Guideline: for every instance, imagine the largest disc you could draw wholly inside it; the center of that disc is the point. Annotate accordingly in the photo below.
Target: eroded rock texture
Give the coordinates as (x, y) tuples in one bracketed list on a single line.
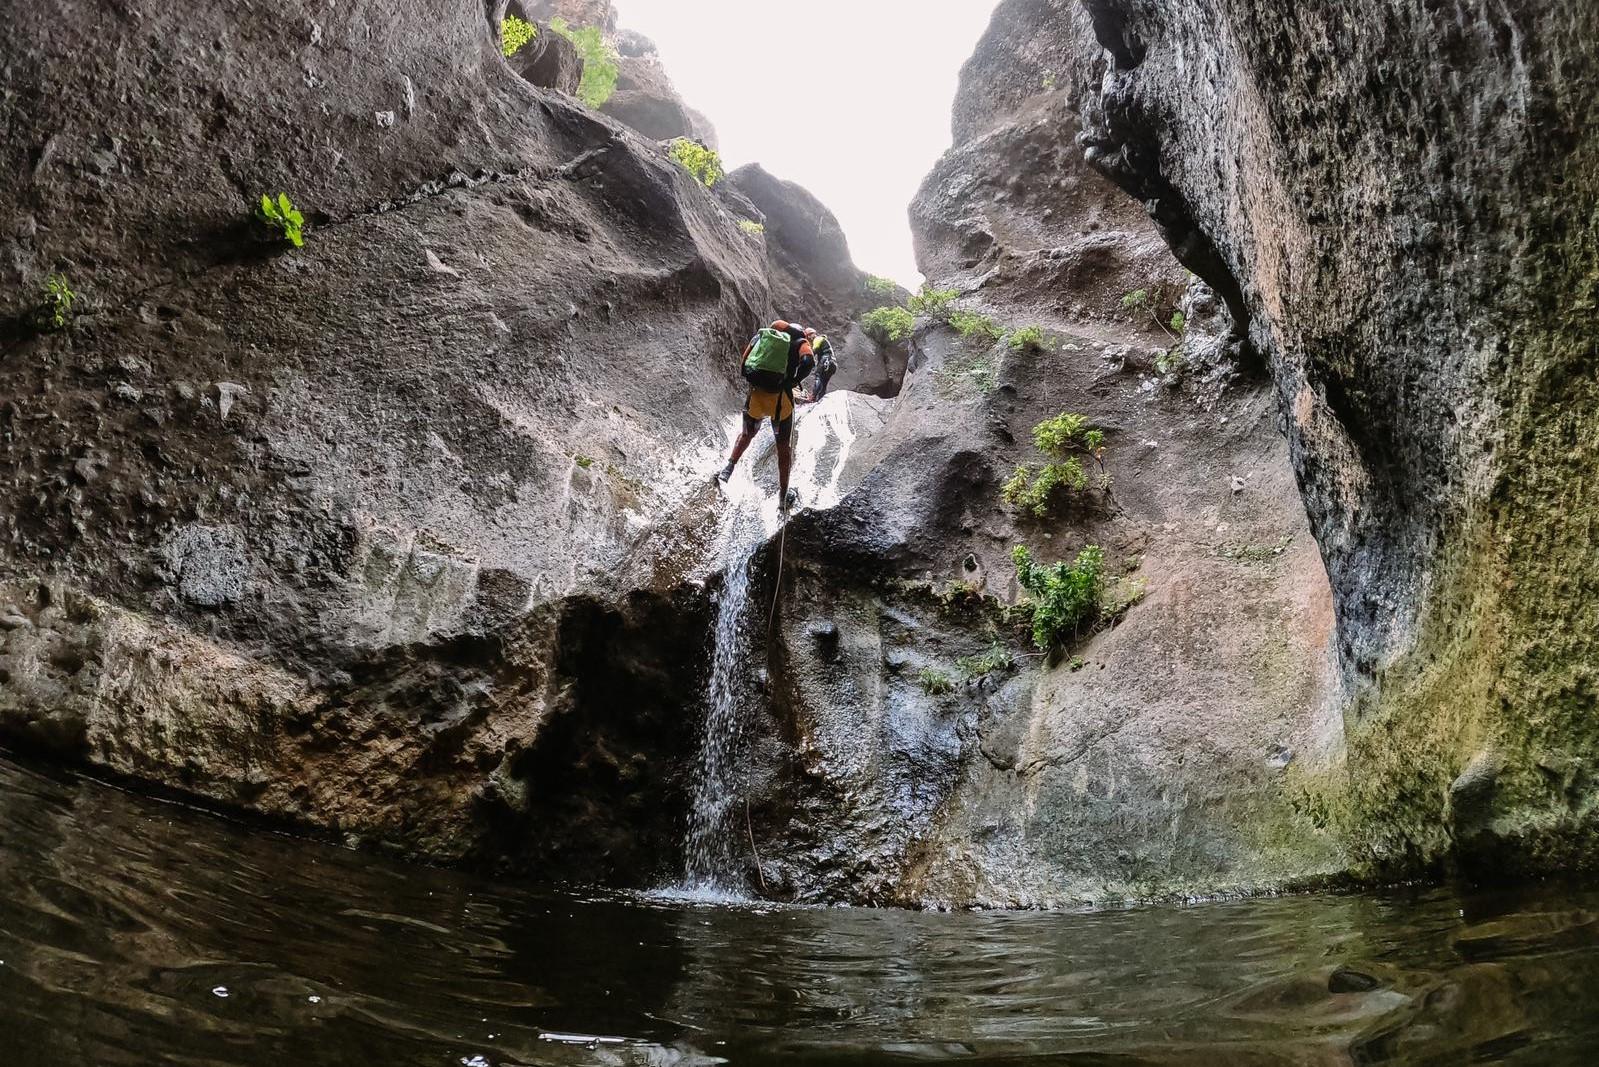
[(917, 750), (1402, 199), (350, 535)]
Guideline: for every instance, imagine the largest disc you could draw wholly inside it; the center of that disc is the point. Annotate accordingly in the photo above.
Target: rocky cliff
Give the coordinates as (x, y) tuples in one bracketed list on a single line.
[(1401, 198), (407, 535), (350, 535)]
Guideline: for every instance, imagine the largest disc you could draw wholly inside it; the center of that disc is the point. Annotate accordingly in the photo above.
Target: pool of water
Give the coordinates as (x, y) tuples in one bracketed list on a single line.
[(135, 932)]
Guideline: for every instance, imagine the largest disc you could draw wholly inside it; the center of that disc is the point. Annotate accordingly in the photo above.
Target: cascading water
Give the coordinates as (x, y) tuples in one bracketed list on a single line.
[(710, 866), (715, 845)]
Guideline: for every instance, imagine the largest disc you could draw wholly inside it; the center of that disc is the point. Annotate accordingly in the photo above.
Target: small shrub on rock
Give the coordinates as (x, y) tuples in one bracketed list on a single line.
[(975, 327), (888, 325), (601, 64), (881, 286), (515, 33), (997, 658), (55, 306), (751, 227), (935, 681), (1028, 338), (1062, 597), (702, 162), (933, 303), (1067, 440), (280, 218)]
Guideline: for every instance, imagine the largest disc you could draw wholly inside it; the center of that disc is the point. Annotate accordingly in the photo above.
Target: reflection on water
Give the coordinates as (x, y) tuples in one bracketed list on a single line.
[(138, 933)]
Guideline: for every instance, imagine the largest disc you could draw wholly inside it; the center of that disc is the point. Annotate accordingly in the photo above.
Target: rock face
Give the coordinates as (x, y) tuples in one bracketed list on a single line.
[(811, 268), (646, 99), (916, 751), (350, 535), (550, 61), (1013, 210), (1411, 244)]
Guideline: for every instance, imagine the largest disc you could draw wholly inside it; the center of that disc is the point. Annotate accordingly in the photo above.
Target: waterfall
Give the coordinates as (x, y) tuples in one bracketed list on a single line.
[(716, 846), (710, 848)]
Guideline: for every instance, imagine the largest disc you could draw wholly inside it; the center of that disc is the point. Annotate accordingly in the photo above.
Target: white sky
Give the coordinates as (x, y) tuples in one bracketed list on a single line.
[(860, 116)]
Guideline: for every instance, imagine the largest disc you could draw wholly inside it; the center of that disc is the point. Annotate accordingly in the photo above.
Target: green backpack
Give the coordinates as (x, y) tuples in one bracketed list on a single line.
[(766, 367)]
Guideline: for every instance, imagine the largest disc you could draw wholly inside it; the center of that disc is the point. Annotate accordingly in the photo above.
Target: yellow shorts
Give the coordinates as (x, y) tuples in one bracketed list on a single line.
[(778, 407), (764, 405)]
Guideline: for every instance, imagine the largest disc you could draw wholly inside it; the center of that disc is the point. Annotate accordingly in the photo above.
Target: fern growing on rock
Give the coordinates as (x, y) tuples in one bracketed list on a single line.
[(515, 34), (601, 63), (704, 163)]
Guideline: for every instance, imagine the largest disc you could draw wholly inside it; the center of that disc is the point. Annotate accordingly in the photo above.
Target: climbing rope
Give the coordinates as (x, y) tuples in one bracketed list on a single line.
[(777, 591)]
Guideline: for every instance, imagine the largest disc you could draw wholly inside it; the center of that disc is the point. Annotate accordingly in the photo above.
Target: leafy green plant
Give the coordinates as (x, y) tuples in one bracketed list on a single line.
[(997, 658), (601, 64), (888, 325), (702, 162), (750, 226), (583, 461), (1173, 361), (933, 303), (976, 327), (1028, 338), (55, 305), (1067, 440), (1062, 597), (281, 217), (881, 286), (935, 681), (1049, 81), (1159, 304), (515, 33)]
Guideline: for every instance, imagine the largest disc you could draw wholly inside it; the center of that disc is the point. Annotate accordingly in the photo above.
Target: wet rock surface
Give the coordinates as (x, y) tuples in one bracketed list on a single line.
[(348, 535), (1406, 241), (408, 536)]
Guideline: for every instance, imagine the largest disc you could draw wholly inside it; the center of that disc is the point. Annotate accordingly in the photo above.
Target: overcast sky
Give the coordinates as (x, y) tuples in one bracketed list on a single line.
[(859, 109)]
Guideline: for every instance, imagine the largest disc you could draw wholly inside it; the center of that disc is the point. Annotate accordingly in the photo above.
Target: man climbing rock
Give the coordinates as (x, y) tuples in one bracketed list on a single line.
[(826, 367), (776, 360)]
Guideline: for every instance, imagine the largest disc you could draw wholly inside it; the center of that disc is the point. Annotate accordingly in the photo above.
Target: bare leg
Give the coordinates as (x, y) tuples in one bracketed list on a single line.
[(741, 445), (785, 459)]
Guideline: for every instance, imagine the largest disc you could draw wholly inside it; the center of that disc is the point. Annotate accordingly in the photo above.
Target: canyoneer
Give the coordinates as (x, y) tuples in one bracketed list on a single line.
[(776, 360), (826, 366)]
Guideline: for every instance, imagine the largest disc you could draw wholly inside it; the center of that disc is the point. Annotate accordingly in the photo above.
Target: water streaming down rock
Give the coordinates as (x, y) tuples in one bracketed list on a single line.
[(715, 844), (710, 855)]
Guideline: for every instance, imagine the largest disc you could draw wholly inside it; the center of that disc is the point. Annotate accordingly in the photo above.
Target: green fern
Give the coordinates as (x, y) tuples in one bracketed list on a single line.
[(601, 64), (514, 34), (702, 162), (280, 215), (55, 309)]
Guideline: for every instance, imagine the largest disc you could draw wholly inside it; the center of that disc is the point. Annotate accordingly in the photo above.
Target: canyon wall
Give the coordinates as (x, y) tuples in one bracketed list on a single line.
[(1400, 201)]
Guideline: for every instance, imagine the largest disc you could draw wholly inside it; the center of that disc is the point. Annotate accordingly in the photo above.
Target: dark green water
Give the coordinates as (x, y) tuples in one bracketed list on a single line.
[(139, 933)]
